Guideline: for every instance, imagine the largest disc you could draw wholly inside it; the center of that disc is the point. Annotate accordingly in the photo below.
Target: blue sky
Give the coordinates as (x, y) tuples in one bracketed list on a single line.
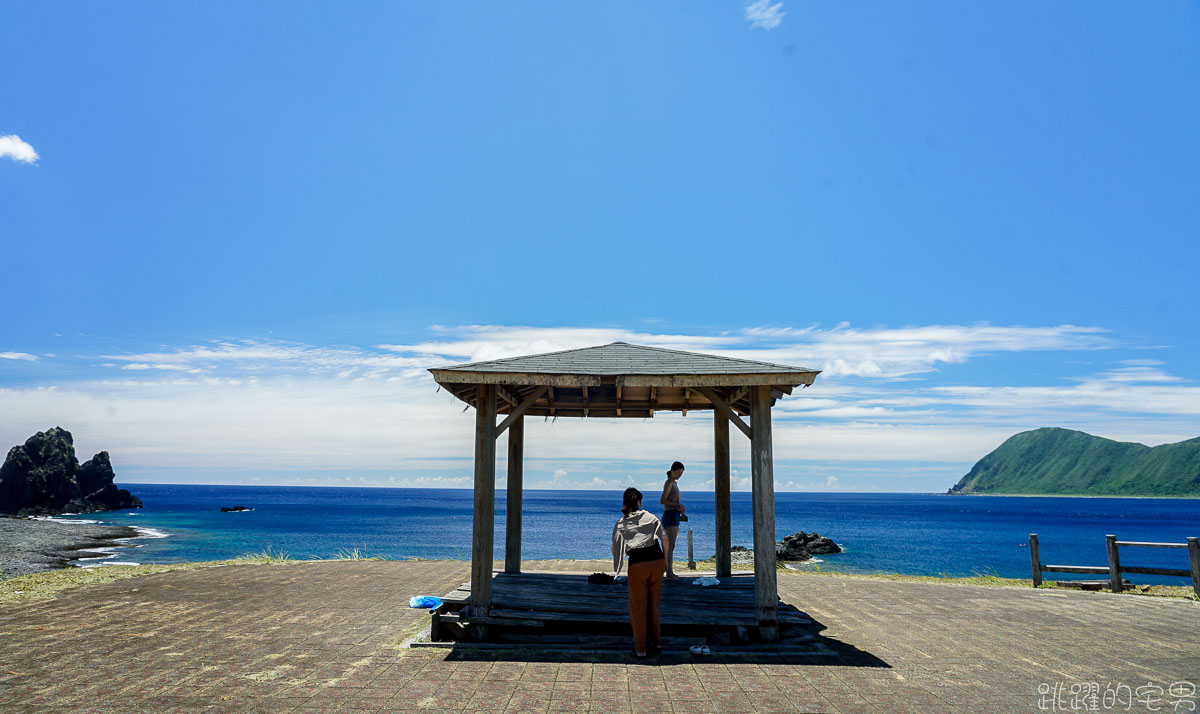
[(236, 234)]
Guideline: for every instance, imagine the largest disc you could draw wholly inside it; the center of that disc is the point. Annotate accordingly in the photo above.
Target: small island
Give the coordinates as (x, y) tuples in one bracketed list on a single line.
[(1061, 462)]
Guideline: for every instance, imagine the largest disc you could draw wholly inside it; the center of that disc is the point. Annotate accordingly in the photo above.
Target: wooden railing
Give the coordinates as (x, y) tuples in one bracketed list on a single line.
[(1114, 568)]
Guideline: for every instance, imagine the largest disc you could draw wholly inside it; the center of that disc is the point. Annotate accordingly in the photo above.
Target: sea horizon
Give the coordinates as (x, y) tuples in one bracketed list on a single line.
[(894, 532)]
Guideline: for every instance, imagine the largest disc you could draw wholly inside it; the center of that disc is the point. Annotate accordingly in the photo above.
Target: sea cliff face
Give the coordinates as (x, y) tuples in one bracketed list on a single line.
[(1055, 461), (43, 477)]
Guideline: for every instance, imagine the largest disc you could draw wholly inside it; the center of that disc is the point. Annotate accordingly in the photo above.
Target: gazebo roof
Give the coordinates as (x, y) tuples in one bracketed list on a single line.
[(620, 380)]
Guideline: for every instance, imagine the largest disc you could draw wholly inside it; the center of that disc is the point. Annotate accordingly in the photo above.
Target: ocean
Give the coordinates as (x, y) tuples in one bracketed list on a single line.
[(910, 533)]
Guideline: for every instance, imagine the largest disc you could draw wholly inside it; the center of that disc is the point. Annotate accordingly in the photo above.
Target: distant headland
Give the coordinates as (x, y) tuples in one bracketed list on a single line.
[(1062, 462), (43, 477)]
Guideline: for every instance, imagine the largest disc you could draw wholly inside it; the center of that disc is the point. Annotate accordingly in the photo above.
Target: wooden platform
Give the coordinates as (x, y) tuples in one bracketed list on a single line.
[(564, 608)]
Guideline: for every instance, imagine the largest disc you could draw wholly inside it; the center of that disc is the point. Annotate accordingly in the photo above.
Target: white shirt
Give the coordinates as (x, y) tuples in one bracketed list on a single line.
[(637, 530)]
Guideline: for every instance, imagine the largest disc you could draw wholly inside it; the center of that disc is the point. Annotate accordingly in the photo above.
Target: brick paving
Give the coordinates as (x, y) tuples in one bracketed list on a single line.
[(323, 637)]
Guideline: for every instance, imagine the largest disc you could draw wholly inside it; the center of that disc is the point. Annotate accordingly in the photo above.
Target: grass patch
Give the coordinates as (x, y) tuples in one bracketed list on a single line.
[(267, 556), (351, 554), (992, 579), (42, 586)]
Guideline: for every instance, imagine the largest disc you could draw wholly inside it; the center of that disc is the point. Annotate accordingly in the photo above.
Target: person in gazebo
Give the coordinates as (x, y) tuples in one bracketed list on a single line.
[(673, 513), (640, 535)]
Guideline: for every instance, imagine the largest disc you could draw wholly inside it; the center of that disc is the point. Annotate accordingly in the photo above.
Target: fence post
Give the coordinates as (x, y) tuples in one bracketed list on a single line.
[(1194, 557), (1114, 563), (1035, 559), (691, 556)]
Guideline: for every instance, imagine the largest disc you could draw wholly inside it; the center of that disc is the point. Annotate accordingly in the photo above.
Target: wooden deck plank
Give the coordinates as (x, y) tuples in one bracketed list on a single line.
[(571, 598)]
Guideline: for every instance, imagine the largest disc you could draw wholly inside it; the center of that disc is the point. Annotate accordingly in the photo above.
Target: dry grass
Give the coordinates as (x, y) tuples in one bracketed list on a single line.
[(1183, 592), (40, 586)]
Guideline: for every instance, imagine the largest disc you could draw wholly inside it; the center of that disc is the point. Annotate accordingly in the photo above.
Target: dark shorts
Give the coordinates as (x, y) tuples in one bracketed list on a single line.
[(670, 518)]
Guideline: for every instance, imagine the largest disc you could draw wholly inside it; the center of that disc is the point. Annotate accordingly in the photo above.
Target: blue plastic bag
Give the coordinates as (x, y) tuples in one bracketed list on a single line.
[(425, 601)]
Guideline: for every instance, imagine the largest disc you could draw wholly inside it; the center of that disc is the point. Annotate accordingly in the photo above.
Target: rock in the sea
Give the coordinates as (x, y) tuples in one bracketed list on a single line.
[(43, 477), (802, 546), (797, 546)]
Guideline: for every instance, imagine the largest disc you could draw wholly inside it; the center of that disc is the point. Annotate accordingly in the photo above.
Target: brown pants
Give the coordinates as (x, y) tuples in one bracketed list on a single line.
[(645, 585)]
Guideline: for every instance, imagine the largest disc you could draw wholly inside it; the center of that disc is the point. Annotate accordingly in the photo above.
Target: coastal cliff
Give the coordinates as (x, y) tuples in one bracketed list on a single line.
[(43, 477), (1055, 461)]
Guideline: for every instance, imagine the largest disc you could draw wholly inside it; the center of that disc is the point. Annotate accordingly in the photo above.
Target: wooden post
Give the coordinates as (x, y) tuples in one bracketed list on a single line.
[(512, 517), (762, 480), (1114, 563), (1036, 559), (485, 504), (1193, 545), (723, 521), (691, 554)]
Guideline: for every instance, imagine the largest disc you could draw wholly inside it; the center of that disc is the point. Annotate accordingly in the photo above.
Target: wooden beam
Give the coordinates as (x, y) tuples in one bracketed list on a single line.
[(715, 380), (517, 412), (1141, 544), (550, 399), (723, 407), (762, 483), (585, 401), (723, 519), (512, 510), (618, 400), (507, 396), (485, 503), (738, 395), (517, 379)]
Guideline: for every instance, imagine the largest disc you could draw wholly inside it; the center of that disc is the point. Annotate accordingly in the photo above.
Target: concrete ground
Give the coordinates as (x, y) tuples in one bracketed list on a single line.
[(323, 637)]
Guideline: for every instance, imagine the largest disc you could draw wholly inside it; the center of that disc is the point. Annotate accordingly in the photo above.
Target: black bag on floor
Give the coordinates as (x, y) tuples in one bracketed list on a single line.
[(601, 579)]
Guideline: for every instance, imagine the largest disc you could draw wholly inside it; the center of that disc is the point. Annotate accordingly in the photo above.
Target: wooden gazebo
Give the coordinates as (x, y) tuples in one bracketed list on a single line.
[(624, 381)]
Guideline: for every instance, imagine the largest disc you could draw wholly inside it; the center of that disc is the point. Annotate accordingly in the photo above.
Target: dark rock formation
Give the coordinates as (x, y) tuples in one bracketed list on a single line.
[(43, 477), (802, 546), (797, 546), (234, 509)]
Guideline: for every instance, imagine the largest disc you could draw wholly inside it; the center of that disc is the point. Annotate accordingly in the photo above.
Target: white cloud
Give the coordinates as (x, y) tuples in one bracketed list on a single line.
[(276, 405), (831, 483), (898, 352), (842, 351), (765, 15), (18, 355), (13, 147)]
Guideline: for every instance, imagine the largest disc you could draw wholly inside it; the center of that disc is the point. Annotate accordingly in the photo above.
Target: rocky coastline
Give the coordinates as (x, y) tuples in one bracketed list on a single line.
[(31, 545)]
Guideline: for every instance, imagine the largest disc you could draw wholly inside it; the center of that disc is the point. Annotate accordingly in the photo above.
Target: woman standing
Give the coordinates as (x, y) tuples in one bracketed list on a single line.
[(673, 510), (639, 534)]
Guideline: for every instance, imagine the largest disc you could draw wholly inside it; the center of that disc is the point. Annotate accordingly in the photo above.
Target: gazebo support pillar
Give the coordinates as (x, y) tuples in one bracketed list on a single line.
[(485, 503), (724, 556), (512, 511), (762, 480)]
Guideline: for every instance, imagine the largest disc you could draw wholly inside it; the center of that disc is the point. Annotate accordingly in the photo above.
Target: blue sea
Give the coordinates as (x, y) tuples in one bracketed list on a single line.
[(911, 533)]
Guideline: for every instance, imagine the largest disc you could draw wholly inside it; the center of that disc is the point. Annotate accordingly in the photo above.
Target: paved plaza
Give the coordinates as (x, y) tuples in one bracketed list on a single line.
[(325, 637)]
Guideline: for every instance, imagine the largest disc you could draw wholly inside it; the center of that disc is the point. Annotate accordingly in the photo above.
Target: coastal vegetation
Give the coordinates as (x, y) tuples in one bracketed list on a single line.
[(41, 586), (1052, 461)]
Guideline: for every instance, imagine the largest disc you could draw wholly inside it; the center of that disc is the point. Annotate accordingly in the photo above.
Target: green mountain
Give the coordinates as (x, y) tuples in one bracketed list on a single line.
[(1061, 461)]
